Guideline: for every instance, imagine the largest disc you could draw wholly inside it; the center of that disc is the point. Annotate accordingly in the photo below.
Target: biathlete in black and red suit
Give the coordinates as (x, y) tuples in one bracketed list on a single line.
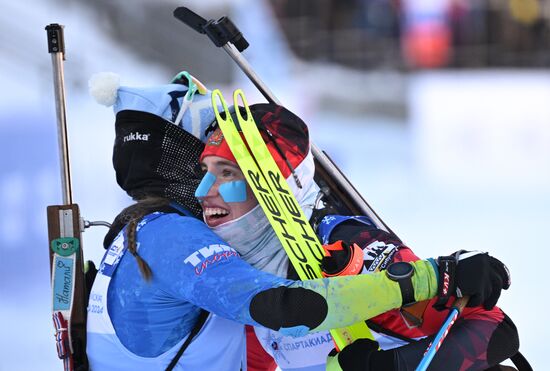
[(482, 337)]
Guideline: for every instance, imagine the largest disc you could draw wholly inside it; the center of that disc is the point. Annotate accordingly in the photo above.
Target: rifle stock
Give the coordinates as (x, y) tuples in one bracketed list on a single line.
[(65, 237)]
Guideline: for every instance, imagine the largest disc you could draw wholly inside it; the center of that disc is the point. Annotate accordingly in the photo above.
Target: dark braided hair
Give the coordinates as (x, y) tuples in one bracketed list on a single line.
[(131, 216)]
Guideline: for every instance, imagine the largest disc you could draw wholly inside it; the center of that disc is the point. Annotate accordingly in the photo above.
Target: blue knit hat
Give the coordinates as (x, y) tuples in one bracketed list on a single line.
[(185, 102)]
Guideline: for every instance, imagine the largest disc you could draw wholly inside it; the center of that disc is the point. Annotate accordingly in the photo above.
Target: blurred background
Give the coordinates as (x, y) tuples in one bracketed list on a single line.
[(437, 110)]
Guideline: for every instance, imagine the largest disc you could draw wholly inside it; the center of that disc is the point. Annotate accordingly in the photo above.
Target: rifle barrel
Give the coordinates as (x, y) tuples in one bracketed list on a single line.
[(56, 47)]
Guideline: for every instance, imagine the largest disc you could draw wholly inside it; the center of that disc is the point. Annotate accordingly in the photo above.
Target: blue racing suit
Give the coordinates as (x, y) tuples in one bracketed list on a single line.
[(134, 324)]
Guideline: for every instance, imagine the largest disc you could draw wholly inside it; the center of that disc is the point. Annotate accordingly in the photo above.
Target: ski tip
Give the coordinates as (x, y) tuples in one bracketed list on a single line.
[(218, 102), (238, 96)]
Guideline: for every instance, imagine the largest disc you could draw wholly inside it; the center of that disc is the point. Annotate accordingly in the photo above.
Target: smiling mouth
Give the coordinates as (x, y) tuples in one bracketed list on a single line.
[(215, 214)]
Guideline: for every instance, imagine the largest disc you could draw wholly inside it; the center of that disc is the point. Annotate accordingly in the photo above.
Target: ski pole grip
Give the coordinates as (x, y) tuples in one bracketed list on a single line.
[(460, 303)]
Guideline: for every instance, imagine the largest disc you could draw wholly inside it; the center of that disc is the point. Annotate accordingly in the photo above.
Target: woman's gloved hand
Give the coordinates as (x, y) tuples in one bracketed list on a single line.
[(361, 355), (471, 273)]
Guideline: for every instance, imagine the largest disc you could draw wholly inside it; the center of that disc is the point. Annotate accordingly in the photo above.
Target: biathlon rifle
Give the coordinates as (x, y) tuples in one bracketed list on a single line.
[(338, 192), (65, 226)]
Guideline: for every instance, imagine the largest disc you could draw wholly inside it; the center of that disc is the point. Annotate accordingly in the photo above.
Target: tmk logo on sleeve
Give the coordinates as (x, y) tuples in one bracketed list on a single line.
[(209, 255), (136, 136)]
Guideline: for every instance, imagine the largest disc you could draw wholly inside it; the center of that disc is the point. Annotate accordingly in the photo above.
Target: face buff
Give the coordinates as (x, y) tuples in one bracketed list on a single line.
[(255, 241), (234, 191)]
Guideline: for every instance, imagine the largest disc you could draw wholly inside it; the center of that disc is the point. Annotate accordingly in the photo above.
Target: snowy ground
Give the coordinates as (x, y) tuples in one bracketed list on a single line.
[(469, 168)]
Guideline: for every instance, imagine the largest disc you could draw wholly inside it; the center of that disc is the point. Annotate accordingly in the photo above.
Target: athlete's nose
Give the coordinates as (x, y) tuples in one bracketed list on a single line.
[(207, 187)]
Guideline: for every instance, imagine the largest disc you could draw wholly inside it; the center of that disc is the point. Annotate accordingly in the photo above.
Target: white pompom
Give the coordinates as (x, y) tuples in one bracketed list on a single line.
[(103, 87)]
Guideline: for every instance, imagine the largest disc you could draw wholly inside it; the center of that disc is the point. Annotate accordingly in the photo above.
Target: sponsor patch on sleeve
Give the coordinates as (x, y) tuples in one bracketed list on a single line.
[(378, 255)]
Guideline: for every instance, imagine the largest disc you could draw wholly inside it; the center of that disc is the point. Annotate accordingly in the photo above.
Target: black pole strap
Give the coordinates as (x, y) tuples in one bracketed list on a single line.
[(521, 362)]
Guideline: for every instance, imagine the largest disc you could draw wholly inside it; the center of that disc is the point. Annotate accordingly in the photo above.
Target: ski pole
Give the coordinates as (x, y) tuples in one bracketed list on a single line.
[(344, 195), (435, 344)]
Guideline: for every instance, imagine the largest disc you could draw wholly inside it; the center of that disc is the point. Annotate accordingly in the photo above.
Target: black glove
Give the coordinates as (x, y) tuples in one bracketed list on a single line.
[(471, 273), (361, 355)]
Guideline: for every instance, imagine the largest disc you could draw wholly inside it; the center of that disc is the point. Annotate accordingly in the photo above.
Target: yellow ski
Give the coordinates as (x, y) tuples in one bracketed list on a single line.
[(278, 202)]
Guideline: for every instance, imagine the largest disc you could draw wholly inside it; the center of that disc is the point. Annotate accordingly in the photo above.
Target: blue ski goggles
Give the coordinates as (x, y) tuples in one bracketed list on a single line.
[(234, 191)]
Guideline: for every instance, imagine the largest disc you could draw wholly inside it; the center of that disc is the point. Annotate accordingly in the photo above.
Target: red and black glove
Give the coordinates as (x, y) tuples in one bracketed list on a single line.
[(471, 273)]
